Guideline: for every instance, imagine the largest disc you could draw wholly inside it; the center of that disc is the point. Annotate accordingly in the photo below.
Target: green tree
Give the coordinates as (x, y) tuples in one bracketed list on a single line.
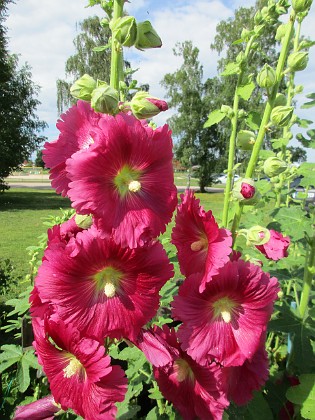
[(19, 124), (85, 60), (39, 159), (184, 88)]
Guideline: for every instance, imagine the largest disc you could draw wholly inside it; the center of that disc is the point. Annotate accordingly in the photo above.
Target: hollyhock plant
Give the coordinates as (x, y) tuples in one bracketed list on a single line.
[(251, 376), (78, 131), (277, 246), (196, 391), (126, 181), (78, 371), (225, 322), (43, 409), (105, 289), (202, 246)]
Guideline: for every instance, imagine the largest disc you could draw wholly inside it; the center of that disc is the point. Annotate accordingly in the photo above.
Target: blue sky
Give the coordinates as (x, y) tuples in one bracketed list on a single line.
[(43, 32)]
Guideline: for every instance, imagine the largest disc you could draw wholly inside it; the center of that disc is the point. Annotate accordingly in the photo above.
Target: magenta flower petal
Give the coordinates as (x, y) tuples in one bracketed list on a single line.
[(80, 375), (202, 246), (78, 130), (196, 391), (105, 289), (126, 181), (42, 409), (227, 320), (277, 246)]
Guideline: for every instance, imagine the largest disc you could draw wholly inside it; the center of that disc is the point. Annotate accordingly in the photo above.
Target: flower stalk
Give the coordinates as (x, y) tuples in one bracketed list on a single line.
[(116, 72), (309, 273)]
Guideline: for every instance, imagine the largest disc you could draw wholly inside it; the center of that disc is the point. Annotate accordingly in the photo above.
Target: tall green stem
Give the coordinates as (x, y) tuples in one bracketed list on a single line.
[(116, 69), (266, 116), (232, 141)]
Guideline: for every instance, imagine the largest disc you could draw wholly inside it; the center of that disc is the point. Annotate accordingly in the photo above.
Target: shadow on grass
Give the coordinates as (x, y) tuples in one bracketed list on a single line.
[(14, 200)]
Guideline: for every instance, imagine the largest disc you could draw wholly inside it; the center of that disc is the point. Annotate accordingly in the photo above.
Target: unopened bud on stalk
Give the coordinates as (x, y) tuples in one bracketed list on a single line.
[(257, 235), (244, 190), (105, 99), (258, 19), (144, 106), (83, 88), (227, 110), (125, 30), (297, 61), (281, 115), (266, 77), (245, 139), (147, 37), (274, 166), (281, 31), (301, 5)]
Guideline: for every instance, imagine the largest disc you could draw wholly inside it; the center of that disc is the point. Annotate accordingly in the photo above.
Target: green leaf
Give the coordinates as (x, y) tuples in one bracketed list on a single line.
[(311, 103), (304, 395), (288, 217), (307, 170), (258, 408), (303, 123), (214, 118), (245, 91), (101, 48), (23, 375), (278, 143), (153, 414), (231, 68), (253, 120), (306, 44)]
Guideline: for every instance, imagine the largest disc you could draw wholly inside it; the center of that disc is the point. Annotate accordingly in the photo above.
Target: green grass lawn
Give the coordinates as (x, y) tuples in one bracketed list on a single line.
[(22, 213)]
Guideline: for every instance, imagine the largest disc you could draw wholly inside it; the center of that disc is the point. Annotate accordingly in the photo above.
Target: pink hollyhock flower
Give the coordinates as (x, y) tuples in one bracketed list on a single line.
[(78, 131), (251, 376), (105, 289), (202, 246), (277, 246), (226, 321), (79, 373), (247, 190), (126, 181), (43, 409), (195, 390)]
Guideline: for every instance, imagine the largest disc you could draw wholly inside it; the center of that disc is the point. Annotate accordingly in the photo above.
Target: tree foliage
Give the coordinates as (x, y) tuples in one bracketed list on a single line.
[(185, 91), (19, 124), (85, 60)]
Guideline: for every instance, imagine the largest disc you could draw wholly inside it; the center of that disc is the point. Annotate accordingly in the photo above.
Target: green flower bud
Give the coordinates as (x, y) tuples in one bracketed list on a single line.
[(244, 190), (257, 235), (266, 77), (105, 99), (227, 110), (281, 100), (125, 30), (144, 106), (298, 61), (258, 19), (84, 221), (274, 166), (83, 88), (245, 34), (281, 31), (147, 37), (245, 140), (281, 115), (301, 5), (298, 89)]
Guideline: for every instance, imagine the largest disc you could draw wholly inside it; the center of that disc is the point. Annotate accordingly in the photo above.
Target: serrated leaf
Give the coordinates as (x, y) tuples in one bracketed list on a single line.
[(303, 123), (245, 91), (231, 68), (11, 350), (253, 120), (8, 363), (307, 170), (292, 221), (311, 103), (155, 394), (153, 414), (214, 118), (30, 358), (278, 143), (304, 395)]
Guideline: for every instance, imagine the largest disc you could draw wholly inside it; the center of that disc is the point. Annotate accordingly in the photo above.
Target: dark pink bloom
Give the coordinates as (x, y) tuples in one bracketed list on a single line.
[(78, 131), (225, 322), (247, 190), (277, 246), (105, 289), (196, 391), (126, 181), (202, 246), (43, 409), (251, 376), (79, 373)]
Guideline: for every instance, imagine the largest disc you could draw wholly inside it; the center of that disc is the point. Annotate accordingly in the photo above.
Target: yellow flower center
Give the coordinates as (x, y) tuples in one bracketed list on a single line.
[(74, 367), (108, 281), (199, 245), (127, 180), (183, 370), (224, 308)]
